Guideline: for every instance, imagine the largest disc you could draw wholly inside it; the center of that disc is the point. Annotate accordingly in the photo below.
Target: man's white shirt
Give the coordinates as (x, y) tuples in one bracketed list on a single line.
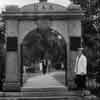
[(81, 65)]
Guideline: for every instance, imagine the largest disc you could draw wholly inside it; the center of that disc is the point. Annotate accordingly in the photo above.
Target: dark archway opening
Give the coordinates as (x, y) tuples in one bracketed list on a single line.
[(46, 47)]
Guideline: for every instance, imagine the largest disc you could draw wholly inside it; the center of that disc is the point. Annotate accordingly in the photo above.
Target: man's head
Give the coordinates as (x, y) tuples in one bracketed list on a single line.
[(80, 50)]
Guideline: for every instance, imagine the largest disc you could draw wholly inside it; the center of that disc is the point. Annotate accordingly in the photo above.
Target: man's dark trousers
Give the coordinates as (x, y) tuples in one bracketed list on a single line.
[(80, 81)]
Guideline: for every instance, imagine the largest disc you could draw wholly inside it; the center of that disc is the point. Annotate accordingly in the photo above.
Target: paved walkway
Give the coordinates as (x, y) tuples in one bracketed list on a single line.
[(42, 81), (51, 80)]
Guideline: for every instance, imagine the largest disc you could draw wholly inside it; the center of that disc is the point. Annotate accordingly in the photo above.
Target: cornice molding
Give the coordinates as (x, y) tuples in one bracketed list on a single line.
[(49, 15)]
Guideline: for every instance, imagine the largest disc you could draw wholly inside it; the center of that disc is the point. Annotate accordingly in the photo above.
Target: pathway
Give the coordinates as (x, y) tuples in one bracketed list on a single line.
[(42, 81)]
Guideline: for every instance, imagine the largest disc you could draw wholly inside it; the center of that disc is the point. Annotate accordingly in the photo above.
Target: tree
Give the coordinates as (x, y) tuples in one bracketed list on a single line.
[(91, 32), (2, 32), (44, 45)]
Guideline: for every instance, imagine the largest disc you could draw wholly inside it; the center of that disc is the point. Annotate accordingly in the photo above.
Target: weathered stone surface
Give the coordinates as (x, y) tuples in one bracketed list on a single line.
[(20, 21)]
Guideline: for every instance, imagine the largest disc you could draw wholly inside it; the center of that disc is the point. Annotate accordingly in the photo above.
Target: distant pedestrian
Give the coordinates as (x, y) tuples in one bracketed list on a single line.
[(41, 66), (44, 64), (81, 70)]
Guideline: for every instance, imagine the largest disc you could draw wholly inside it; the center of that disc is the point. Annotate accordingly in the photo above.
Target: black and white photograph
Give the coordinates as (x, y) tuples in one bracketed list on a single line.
[(49, 49)]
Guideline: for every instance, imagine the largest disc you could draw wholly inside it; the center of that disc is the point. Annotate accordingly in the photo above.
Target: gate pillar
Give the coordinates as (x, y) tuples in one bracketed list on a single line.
[(12, 77)]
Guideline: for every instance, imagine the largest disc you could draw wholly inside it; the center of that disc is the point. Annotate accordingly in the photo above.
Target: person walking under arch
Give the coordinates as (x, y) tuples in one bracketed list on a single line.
[(44, 64)]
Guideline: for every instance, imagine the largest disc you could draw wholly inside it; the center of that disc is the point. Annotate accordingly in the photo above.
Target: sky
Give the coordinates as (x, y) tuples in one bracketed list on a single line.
[(21, 3)]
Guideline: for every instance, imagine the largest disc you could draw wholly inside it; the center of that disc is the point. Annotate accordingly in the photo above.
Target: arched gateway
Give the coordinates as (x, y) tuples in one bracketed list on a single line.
[(20, 21)]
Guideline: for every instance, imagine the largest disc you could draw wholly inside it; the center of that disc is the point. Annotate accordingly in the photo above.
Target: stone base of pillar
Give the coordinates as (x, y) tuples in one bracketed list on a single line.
[(11, 86), (71, 84), (66, 80)]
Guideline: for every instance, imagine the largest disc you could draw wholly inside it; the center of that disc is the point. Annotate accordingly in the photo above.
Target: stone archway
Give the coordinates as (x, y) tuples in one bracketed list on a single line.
[(19, 21), (48, 33)]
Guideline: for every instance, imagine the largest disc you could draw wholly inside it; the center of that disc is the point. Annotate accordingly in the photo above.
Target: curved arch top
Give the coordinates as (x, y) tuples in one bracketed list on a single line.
[(42, 7), (50, 32)]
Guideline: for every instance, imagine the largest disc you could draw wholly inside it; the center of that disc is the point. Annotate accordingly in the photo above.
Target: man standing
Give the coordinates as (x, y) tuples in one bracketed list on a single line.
[(81, 70)]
